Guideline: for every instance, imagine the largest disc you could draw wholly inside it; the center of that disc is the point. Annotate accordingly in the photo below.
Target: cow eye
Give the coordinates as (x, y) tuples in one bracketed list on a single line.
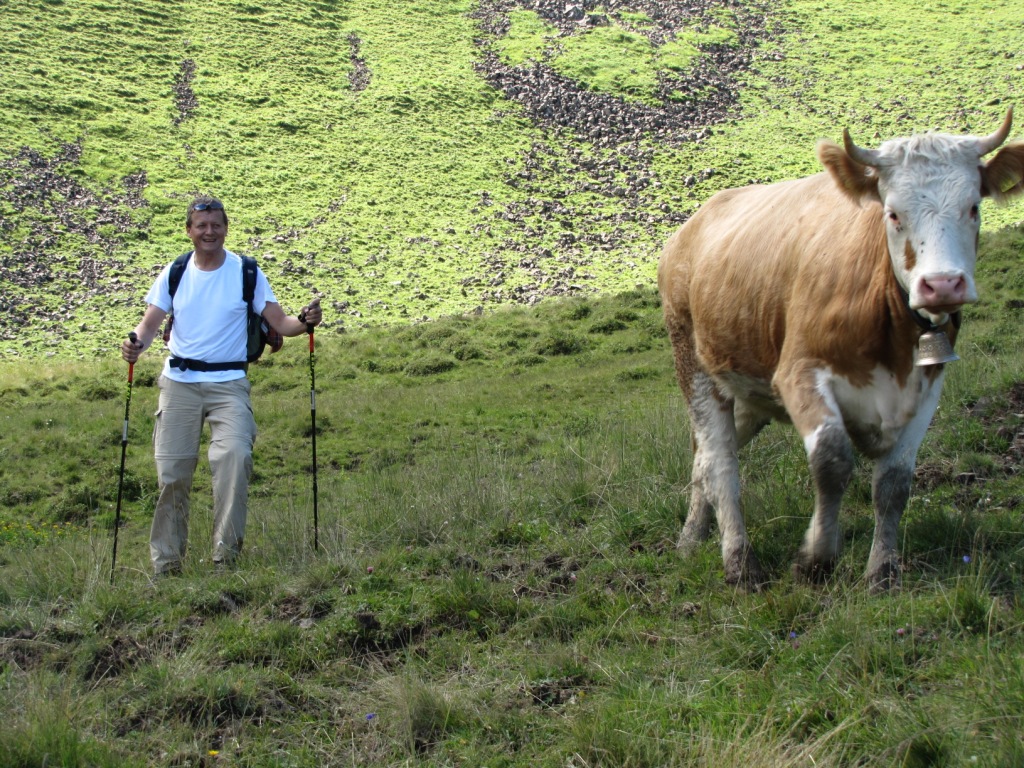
[(895, 219), (974, 212)]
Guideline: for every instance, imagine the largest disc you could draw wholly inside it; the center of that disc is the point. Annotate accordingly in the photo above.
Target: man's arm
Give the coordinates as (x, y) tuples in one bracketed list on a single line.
[(146, 331), (292, 326)]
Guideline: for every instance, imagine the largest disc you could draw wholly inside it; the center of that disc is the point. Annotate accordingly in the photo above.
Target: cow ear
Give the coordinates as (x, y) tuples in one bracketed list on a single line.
[(1002, 177), (855, 179)]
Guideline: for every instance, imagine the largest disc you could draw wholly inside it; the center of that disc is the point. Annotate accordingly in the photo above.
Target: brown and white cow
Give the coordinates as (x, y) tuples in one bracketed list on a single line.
[(805, 301)]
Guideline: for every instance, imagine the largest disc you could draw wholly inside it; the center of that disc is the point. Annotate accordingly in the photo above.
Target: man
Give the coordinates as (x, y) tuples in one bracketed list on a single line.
[(204, 379)]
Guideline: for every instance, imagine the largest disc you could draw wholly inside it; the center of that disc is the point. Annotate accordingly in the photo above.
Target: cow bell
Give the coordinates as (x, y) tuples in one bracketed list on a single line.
[(934, 349)]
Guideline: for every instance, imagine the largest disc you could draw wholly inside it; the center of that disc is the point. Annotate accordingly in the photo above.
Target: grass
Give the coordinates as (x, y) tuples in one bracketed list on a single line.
[(498, 583), (499, 491)]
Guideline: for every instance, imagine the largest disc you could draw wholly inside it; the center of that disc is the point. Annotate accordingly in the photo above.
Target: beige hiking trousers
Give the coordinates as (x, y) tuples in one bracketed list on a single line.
[(176, 433)]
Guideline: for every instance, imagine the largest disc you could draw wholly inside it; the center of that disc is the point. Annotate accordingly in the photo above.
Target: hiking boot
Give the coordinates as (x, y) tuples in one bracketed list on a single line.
[(162, 576)]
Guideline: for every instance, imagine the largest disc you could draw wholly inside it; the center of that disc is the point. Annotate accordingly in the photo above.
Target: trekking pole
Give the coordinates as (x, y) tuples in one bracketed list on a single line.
[(312, 417), (124, 447)]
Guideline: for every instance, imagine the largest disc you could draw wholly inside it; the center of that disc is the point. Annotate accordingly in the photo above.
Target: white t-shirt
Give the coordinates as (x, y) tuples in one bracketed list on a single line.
[(209, 316)]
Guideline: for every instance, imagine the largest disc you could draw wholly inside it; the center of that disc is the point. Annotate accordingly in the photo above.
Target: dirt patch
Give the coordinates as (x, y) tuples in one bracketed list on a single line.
[(121, 654), (360, 75), (372, 642), (556, 693), (22, 650), (606, 120), (185, 100), (49, 203), (551, 577)]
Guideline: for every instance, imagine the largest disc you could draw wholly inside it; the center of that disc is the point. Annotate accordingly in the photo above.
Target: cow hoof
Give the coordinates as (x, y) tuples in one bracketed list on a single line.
[(743, 570), (813, 571), (885, 578), (687, 546)]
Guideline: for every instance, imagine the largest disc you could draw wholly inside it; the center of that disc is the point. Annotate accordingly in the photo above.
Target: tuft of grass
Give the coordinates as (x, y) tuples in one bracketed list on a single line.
[(424, 716), (47, 734)]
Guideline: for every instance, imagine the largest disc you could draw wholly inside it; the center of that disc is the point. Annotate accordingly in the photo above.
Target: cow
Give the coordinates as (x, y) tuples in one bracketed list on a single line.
[(805, 301)]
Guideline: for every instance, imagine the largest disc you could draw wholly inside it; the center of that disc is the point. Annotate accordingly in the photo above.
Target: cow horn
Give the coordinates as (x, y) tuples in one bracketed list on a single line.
[(992, 141), (861, 155)]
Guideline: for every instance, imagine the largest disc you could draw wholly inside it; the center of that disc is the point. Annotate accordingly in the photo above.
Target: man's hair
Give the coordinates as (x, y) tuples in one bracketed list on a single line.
[(206, 200)]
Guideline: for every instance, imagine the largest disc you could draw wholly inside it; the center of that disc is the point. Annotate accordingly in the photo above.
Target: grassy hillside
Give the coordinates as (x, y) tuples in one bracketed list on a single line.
[(410, 161), (499, 490)]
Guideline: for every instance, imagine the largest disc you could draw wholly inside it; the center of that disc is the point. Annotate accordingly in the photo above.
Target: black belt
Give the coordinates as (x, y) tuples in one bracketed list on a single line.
[(185, 364)]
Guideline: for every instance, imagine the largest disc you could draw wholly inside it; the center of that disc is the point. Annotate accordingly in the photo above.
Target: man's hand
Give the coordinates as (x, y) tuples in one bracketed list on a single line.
[(130, 350), (292, 325), (146, 331), (311, 314)]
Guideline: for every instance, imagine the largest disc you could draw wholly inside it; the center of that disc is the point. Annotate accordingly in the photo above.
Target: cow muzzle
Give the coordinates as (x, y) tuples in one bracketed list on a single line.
[(942, 293)]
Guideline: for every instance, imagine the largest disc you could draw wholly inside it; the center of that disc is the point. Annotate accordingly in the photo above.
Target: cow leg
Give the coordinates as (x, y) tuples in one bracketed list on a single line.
[(890, 492), (698, 522), (830, 455), (697, 527), (716, 484), (698, 518), (816, 416)]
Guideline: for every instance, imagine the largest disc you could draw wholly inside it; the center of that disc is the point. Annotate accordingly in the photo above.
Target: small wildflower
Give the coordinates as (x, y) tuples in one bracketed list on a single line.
[(901, 631), (371, 716), (792, 635), (369, 569), (967, 558), (213, 752)]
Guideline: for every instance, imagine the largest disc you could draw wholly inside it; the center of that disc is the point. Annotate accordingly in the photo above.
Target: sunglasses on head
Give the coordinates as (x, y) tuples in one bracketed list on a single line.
[(214, 206)]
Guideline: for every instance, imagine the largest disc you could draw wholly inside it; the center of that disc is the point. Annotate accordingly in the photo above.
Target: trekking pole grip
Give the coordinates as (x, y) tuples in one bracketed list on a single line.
[(134, 339)]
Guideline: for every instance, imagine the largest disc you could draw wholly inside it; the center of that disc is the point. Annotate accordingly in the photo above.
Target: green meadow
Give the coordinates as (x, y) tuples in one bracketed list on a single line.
[(503, 453)]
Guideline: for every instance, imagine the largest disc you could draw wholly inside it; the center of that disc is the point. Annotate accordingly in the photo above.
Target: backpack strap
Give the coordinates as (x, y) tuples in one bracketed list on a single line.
[(177, 270), (248, 280)]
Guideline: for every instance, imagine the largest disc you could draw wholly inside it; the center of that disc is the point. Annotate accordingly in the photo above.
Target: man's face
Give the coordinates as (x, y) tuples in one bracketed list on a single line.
[(207, 232)]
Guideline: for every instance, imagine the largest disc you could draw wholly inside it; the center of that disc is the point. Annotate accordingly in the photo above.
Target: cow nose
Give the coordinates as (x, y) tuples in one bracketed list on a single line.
[(943, 291)]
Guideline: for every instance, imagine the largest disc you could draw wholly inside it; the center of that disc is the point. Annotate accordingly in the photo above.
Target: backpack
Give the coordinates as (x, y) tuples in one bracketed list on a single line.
[(258, 334)]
